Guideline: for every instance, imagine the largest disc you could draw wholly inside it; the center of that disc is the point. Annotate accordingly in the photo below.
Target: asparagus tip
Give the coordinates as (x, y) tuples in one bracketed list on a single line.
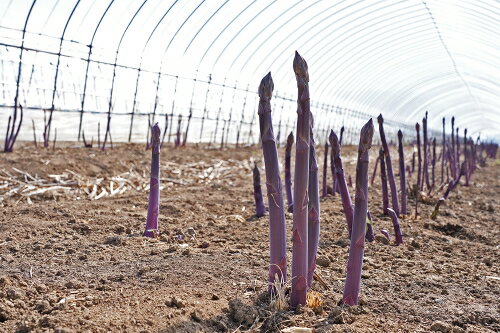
[(300, 67), (266, 87)]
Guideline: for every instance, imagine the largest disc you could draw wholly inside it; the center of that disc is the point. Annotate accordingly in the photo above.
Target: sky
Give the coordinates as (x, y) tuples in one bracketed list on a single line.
[(399, 58)]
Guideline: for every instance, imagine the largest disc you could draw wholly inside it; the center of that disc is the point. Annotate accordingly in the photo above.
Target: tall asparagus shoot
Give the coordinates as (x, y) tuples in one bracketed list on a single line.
[(260, 210), (402, 173), (374, 174), (301, 184), (443, 159), (339, 174), (397, 228), (335, 181), (324, 191), (390, 174), (314, 209), (356, 249), (466, 159), (332, 167), (419, 153), (288, 174), (425, 173), (452, 163), (433, 161), (277, 233), (154, 185), (383, 180)]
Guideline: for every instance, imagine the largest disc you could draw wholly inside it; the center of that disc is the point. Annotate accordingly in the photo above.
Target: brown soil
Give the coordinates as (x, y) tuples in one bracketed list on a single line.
[(71, 264)]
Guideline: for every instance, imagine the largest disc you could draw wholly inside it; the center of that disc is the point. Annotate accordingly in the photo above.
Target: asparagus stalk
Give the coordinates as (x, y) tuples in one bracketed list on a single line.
[(277, 233), (390, 174), (370, 235), (260, 210), (314, 210), (453, 165), (288, 174), (383, 180), (433, 179), (402, 173), (397, 228), (425, 173), (356, 249), (443, 160), (374, 174), (339, 174), (154, 185), (324, 191), (301, 184)]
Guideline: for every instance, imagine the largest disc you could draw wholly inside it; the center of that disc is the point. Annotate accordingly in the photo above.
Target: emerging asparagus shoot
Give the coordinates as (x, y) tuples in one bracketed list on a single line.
[(260, 210), (277, 232), (154, 185), (356, 249), (300, 208)]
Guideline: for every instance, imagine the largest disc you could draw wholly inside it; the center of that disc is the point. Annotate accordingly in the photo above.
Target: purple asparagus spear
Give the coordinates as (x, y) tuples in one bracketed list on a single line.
[(383, 180), (260, 210), (154, 185), (339, 174), (397, 228), (390, 174), (386, 234), (324, 191), (374, 174), (370, 236), (402, 173), (277, 232), (314, 210), (288, 174), (433, 161), (301, 184), (443, 159), (356, 249)]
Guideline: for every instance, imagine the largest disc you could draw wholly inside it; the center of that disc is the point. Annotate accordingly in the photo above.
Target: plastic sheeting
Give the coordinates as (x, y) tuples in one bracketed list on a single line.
[(206, 58)]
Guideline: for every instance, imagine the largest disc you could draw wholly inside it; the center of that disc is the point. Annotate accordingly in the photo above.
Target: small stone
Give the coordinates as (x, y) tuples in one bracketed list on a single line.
[(4, 281), (62, 330), (195, 315), (487, 261), (119, 229), (323, 261), (191, 232), (171, 249), (215, 297), (415, 244), (381, 239), (185, 252), (342, 243), (440, 326), (14, 293), (113, 240), (177, 302), (73, 284), (7, 257), (43, 307)]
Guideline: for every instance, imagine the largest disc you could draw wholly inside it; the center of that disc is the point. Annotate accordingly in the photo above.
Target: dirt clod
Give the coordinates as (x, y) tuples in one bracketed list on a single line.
[(242, 313)]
